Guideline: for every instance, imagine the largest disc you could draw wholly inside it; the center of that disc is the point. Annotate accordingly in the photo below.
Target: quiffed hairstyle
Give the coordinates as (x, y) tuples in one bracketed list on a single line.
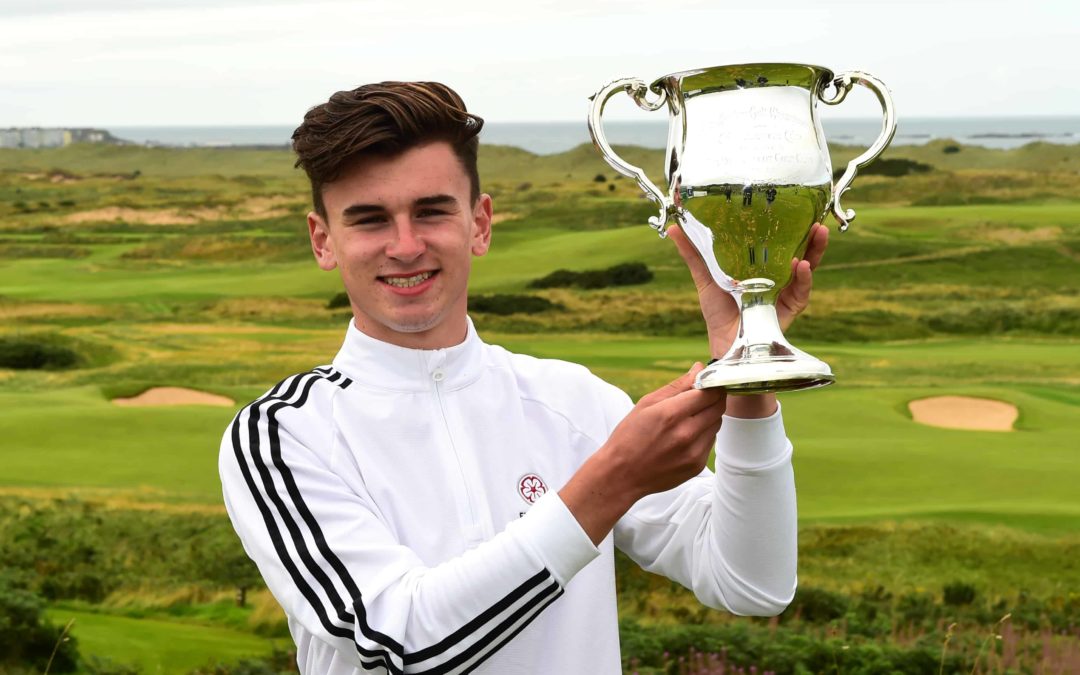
[(383, 119)]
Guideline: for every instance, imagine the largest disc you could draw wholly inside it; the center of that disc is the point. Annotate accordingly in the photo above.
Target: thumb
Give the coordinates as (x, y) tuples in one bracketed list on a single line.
[(684, 382), (699, 271)]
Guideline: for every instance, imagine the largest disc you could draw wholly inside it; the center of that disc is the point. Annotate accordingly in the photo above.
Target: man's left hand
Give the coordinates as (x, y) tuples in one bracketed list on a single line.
[(721, 311)]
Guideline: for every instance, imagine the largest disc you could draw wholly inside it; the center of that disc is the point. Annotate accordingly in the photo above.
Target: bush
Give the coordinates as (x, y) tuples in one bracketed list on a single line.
[(889, 167), (1000, 318), (817, 605), (338, 301), (101, 666), (744, 646), (958, 593), (599, 178), (951, 149), (278, 663), (916, 608), (505, 304), (26, 637), (626, 274), (37, 353)]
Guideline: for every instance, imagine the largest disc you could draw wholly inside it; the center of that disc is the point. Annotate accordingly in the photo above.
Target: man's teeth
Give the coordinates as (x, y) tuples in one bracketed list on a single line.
[(408, 282)]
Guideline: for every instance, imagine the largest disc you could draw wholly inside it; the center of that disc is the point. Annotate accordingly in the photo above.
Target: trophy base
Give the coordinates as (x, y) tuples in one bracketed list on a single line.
[(766, 374)]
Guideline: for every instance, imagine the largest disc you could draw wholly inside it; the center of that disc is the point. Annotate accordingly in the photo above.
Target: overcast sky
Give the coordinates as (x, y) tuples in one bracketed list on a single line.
[(216, 62)]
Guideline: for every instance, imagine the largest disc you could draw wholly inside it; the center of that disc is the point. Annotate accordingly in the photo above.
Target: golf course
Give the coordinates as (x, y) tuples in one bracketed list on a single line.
[(925, 546)]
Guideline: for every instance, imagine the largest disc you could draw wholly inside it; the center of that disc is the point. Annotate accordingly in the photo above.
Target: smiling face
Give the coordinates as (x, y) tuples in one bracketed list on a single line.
[(403, 231)]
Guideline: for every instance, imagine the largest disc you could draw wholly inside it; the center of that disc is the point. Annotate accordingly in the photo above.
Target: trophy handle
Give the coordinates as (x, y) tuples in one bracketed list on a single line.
[(637, 89), (843, 83)]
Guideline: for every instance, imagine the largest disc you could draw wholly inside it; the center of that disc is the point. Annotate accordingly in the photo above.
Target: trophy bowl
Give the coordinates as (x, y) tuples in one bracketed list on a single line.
[(749, 173)]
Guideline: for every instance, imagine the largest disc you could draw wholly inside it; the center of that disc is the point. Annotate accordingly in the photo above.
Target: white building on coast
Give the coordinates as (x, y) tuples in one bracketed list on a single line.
[(39, 137)]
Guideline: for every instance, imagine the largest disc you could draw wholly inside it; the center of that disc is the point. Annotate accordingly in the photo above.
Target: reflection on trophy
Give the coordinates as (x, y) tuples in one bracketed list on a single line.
[(749, 173)]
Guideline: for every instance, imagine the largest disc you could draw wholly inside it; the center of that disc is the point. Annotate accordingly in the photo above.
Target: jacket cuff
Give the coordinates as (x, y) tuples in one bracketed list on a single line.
[(751, 445), (556, 537)]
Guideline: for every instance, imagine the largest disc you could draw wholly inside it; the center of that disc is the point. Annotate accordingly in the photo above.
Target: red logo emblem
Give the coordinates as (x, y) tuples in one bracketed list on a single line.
[(531, 487)]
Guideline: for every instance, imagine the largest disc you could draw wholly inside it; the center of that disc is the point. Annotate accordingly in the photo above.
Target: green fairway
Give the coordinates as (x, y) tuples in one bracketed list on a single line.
[(858, 452), (73, 438), (157, 646)]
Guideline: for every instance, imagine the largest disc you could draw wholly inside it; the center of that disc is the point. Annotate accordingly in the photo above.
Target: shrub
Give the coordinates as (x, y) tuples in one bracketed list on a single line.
[(278, 663), (338, 301), (36, 353), (599, 178), (625, 274), (958, 593), (890, 167), (505, 304), (817, 605), (916, 608), (951, 149), (102, 666), (27, 638)]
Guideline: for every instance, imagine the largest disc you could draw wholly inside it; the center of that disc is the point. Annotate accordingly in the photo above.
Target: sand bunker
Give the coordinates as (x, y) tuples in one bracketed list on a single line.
[(964, 412), (174, 396)]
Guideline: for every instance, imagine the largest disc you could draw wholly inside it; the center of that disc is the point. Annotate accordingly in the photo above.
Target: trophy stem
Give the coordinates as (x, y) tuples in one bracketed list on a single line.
[(761, 359)]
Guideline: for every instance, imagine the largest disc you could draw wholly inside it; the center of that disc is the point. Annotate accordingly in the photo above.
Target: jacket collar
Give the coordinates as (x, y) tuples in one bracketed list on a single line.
[(381, 365)]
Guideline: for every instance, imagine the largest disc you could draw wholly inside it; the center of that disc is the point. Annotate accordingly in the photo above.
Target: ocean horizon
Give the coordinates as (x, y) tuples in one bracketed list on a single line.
[(544, 138)]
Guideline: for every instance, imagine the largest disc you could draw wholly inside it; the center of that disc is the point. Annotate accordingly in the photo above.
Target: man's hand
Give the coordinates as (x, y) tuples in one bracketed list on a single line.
[(721, 312), (719, 308), (663, 442)]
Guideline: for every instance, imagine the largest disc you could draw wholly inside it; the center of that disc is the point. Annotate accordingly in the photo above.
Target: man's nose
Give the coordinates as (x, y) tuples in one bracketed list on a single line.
[(407, 245)]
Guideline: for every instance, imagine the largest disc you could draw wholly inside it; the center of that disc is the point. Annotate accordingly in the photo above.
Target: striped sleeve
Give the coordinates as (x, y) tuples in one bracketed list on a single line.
[(334, 566)]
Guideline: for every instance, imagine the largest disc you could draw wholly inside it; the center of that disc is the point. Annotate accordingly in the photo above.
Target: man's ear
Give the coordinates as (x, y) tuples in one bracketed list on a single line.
[(481, 236), (321, 245)]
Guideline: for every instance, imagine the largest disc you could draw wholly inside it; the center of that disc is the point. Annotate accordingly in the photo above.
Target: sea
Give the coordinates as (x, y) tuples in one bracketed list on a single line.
[(545, 138)]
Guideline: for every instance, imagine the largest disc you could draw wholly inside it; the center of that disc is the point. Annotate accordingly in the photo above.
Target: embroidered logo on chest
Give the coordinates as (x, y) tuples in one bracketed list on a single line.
[(531, 487)]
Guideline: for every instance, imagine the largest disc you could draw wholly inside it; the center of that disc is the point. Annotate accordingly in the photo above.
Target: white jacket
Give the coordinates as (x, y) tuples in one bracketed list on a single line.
[(402, 507)]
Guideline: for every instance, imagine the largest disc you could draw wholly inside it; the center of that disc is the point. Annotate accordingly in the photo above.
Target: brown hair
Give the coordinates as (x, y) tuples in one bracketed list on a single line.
[(383, 119)]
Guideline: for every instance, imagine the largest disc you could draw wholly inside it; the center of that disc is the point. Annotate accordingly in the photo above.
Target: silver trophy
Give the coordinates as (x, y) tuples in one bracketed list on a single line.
[(749, 173)]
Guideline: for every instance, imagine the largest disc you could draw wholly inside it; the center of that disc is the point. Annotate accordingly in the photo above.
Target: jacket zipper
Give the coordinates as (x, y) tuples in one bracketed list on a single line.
[(473, 532)]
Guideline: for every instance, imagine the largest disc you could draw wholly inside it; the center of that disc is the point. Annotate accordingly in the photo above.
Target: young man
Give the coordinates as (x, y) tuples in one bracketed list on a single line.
[(429, 503)]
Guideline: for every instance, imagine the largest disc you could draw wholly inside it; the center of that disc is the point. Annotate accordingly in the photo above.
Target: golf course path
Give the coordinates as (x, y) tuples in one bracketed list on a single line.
[(964, 412), (174, 396)]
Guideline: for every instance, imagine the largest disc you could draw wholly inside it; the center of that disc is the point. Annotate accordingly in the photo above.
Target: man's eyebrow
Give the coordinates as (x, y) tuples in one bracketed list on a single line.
[(363, 209), (435, 199)]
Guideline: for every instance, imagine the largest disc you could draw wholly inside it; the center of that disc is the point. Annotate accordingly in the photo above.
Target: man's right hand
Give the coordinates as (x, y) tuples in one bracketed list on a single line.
[(663, 442)]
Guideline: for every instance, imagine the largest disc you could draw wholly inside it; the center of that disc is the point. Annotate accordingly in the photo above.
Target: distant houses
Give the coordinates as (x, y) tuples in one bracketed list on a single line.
[(38, 137)]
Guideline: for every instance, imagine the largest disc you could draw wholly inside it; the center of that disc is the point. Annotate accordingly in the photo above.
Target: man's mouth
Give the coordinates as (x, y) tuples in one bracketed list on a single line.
[(409, 281)]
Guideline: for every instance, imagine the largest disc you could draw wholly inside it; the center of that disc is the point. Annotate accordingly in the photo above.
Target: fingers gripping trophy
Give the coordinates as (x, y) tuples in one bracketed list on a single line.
[(749, 174)]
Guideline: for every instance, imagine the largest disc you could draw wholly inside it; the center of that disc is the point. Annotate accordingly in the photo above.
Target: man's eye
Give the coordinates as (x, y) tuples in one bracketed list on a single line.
[(430, 213), (370, 220)]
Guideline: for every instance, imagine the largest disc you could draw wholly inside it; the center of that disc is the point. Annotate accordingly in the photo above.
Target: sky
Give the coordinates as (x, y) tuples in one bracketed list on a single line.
[(254, 62)]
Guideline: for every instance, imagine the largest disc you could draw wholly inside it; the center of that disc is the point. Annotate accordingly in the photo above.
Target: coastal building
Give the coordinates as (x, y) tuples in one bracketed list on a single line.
[(39, 137)]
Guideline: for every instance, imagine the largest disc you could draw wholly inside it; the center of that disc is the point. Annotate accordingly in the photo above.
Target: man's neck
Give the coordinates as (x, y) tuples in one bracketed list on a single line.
[(446, 334)]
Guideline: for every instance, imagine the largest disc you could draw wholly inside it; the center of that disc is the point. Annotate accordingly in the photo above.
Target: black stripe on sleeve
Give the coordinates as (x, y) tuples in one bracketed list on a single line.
[(483, 618), (513, 634), (275, 534), (385, 646), (528, 609)]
